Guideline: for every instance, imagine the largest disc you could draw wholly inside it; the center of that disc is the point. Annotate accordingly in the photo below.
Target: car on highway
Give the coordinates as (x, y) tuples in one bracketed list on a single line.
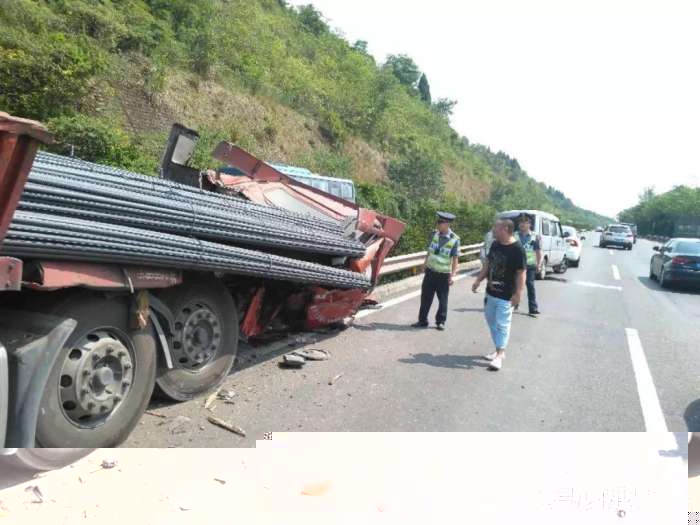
[(599, 229), (548, 227), (41, 459), (676, 262), (633, 227), (617, 235), (575, 242)]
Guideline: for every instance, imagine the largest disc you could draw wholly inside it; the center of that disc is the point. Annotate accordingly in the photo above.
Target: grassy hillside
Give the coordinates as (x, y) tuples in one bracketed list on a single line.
[(110, 77)]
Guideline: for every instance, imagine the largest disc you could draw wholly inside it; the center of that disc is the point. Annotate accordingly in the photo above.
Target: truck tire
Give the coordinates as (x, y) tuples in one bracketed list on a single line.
[(38, 459), (205, 342), (103, 378)]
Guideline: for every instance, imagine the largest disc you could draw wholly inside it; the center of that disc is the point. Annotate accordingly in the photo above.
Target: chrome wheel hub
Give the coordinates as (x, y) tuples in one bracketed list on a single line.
[(96, 377), (198, 336)]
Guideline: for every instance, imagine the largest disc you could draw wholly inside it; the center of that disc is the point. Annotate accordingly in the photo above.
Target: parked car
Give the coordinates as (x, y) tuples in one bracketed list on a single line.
[(599, 229), (575, 243), (39, 459), (549, 228), (676, 262), (633, 227), (617, 235)]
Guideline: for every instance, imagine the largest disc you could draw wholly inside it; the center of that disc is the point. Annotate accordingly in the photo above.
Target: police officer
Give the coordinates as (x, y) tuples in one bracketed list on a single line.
[(533, 252), (441, 266)]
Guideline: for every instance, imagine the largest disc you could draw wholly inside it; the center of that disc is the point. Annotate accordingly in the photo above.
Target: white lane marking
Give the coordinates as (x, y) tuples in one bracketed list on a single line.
[(611, 252), (596, 285), (616, 272), (648, 398), (398, 300)]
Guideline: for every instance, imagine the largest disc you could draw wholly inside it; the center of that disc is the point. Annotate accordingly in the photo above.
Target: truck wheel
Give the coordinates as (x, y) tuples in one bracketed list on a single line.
[(103, 378), (44, 458), (205, 341)]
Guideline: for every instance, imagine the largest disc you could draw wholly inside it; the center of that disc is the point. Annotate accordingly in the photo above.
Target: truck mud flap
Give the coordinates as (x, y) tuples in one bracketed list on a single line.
[(32, 343)]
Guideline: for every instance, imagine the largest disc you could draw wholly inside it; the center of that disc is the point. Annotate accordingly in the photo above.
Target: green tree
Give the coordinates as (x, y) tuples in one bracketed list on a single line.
[(424, 89), (312, 20), (361, 46), (417, 173), (444, 107), (404, 69)]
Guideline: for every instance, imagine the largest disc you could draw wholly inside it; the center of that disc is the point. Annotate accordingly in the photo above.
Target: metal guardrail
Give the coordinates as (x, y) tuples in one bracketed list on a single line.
[(415, 260)]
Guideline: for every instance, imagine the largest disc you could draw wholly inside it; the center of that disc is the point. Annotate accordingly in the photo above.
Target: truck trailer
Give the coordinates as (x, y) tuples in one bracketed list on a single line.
[(117, 286)]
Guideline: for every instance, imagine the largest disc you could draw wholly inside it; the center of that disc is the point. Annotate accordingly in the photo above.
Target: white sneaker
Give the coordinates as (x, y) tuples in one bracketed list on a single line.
[(491, 356), (496, 364)]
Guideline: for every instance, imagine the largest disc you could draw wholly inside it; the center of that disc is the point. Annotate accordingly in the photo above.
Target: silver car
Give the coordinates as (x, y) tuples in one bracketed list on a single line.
[(617, 235)]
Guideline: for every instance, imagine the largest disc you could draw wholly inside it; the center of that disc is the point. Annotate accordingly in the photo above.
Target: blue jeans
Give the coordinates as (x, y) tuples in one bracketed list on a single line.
[(499, 314)]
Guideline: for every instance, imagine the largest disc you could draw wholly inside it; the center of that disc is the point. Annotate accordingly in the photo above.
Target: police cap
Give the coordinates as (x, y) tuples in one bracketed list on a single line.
[(443, 216)]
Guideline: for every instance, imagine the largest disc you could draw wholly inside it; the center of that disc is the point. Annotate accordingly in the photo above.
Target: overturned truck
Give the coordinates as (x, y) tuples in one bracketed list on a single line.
[(116, 285)]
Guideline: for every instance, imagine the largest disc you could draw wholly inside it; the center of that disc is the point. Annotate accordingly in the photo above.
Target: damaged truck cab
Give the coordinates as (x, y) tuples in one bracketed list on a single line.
[(85, 342)]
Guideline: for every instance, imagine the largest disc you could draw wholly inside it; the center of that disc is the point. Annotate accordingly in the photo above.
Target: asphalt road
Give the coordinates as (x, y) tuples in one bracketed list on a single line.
[(607, 354), (489, 479)]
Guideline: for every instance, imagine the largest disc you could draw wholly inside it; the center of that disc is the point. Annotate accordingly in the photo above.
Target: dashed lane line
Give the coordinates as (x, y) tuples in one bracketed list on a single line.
[(616, 272)]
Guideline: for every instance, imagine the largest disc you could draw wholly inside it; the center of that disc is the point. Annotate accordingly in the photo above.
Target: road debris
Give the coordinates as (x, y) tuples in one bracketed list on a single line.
[(156, 414), (312, 354), (36, 492), (222, 481), (334, 379), (108, 463), (211, 398), (226, 395), (293, 361), (227, 426)]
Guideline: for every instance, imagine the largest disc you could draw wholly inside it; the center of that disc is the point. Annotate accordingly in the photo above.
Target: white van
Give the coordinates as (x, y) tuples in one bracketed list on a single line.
[(549, 228)]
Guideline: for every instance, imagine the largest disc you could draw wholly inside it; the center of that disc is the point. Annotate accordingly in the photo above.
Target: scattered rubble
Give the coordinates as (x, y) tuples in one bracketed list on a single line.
[(108, 463), (293, 361), (227, 426), (36, 492), (312, 354), (156, 414), (226, 395), (335, 378)]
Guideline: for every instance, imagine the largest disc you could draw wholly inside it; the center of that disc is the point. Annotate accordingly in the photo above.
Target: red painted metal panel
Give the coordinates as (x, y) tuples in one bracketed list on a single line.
[(59, 274), (251, 326), (332, 306), (10, 274), (19, 140)]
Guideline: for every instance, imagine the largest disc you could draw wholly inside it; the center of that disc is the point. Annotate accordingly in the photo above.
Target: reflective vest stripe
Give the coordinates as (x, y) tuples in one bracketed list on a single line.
[(440, 261), (530, 250)]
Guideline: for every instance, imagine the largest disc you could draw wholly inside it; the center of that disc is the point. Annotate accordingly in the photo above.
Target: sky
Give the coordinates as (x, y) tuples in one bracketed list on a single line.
[(599, 99)]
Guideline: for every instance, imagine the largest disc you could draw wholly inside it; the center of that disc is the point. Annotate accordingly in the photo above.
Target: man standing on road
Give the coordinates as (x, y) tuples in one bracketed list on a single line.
[(505, 268), (441, 264), (533, 252)]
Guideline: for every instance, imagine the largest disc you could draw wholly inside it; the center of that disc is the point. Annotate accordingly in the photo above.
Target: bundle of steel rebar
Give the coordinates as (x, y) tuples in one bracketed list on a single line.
[(120, 178), (160, 205), (41, 235)]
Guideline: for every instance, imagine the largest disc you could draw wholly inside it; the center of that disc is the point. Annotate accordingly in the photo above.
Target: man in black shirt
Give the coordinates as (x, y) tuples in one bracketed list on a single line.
[(505, 269)]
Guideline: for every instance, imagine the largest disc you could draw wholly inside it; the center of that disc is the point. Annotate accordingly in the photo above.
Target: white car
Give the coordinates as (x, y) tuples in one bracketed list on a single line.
[(575, 243)]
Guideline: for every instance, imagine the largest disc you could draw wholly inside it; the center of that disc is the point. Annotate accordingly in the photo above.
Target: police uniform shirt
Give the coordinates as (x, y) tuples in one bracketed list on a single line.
[(443, 239)]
